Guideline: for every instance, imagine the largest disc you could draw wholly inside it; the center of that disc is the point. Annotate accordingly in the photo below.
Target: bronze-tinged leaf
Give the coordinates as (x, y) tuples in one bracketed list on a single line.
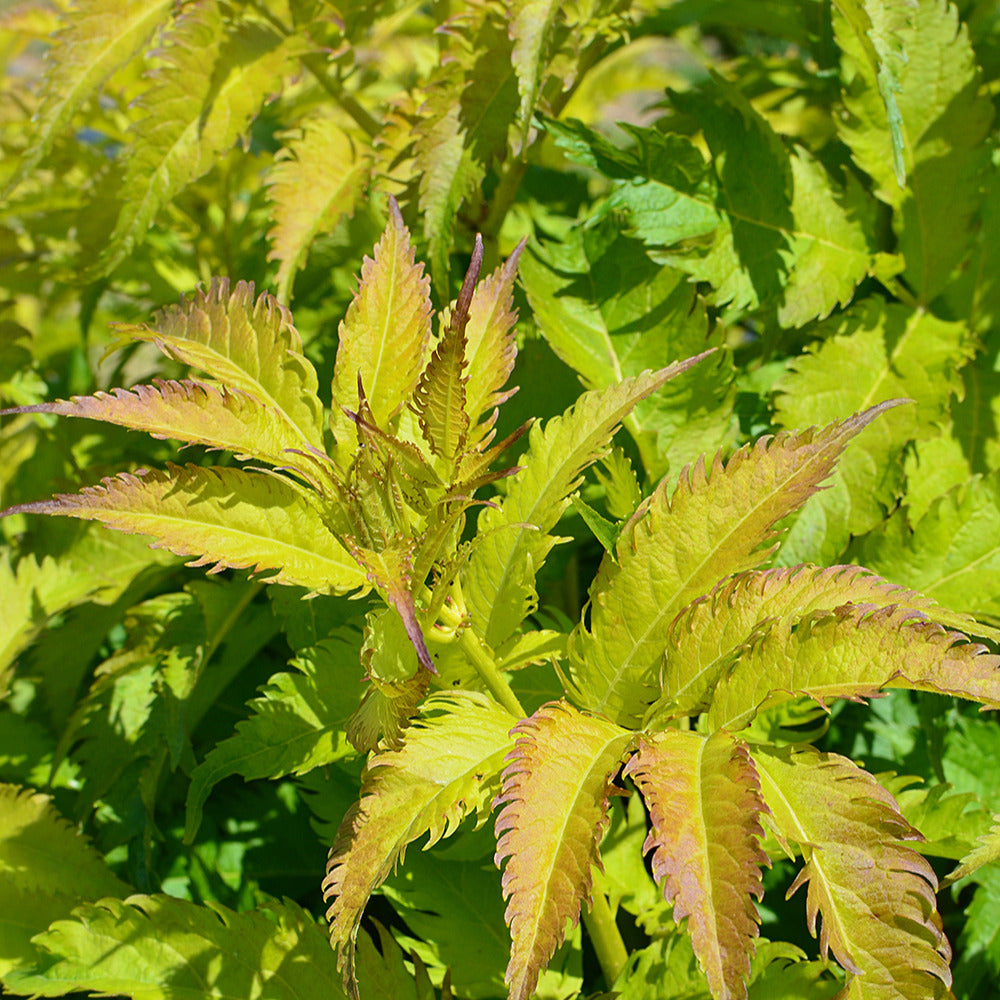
[(852, 652), (446, 769), (490, 345), (316, 180), (874, 894), (385, 712), (245, 344), (555, 810), (679, 545), (705, 636), (224, 517), (384, 336), (191, 412), (704, 803)]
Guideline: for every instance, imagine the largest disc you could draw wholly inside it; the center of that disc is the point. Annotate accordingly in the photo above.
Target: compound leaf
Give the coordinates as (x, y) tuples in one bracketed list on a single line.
[(986, 852), (555, 811), (225, 517), (704, 638), (677, 547), (875, 895), (704, 803), (446, 769)]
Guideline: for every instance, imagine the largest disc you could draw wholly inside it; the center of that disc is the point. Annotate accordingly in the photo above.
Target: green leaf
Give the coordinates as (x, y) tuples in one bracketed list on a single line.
[(875, 895), (158, 947), (944, 121), (706, 636), (555, 810), (447, 768), (605, 531), (851, 652), (224, 517), (952, 553), (96, 37), (212, 79), (676, 547), (871, 353), (191, 412), (609, 312), (979, 946), (298, 723), (499, 580), (530, 26), (986, 852), (666, 969), (877, 28), (384, 336), (46, 869), (704, 804), (317, 180), (247, 345)]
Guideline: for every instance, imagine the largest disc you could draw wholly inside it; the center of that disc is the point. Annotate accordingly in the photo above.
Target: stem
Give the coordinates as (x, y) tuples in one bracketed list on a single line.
[(486, 667), (606, 939), (333, 87)]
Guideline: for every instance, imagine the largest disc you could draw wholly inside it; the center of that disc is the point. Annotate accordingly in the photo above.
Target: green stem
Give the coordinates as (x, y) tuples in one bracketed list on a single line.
[(317, 67), (606, 939), (486, 667)]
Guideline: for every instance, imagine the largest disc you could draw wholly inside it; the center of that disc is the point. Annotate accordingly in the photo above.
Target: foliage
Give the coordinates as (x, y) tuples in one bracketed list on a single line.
[(629, 692)]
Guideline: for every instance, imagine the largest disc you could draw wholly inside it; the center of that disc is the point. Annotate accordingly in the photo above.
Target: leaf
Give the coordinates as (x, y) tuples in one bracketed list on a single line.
[(490, 346), (979, 945), (211, 81), (875, 894), (676, 547), (297, 724), (609, 311), (707, 634), (555, 810), (666, 969), (446, 769), (247, 345), (704, 803), (986, 852), (499, 580), (224, 517), (439, 399), (852, 652), (952, 553), (945, 120), (873, 352), (96, 37), (383, 337), (317, 180), (41, 851), (189, 411), (877, 28), (530, 25), (158, 947), (469, 105), (46, 869)]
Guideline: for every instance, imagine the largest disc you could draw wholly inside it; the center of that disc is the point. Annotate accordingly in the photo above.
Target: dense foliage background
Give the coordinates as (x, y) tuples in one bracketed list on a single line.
[(811, 187)]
